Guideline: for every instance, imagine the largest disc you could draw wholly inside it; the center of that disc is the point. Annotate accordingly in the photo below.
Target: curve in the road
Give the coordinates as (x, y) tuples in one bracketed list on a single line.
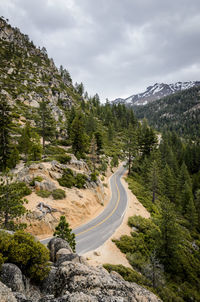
[(94, 233), (106, 218)]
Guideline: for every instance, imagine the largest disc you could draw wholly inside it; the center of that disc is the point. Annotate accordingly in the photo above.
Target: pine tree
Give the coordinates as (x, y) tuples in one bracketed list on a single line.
[(154, 179), (14, 158), (25, 140), (79, 88), (169, 183), (63, 231), (154, 270), (110, 134), (11, 203), (184, 188), (78, 136), (187, 201), (191, 214), (5, 129), (147, 139), (197, 206), (130, 145), (29, 143), (46, 123), (99, 141), (169, 237)]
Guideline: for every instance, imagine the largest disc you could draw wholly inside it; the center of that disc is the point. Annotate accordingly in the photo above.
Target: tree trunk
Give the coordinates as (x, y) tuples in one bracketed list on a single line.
[(6, 218), (154, 196), (129, 162)]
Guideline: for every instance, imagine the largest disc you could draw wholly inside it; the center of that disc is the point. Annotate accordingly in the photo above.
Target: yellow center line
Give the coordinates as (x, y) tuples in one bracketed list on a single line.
[(102, 221)]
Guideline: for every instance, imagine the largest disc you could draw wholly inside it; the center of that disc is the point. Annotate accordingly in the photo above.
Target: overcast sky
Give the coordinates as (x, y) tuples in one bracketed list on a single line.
[(115, 47)]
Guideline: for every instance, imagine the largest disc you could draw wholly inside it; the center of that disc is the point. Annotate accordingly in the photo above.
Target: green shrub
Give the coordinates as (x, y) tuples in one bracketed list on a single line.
[(63, 159), (114, 162), (64, 142), (136, 260), (67, 179), (23, 250), (23, 189), (93, 176), (126, 244), (53, 150), (127, 273), (43, 193), (37, 178), (142, 224), (144, 196), (80, 180), (103, 166), (58, 194)]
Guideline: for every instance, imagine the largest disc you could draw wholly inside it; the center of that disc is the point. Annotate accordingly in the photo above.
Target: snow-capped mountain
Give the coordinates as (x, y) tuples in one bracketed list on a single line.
[(155, 92)]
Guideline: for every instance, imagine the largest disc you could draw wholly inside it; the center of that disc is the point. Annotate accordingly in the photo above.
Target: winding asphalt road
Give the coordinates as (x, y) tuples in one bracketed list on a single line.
[(94, 233)]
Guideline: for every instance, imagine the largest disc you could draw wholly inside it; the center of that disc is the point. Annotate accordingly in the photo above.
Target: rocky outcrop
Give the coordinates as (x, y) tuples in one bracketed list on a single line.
[(46, 185), (71, 279), (5, 294), (34, 78), (55, 245), (11, 275)]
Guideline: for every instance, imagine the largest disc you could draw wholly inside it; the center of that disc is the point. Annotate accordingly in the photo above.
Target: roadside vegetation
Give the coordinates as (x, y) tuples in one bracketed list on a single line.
[(22, 249), (165, 249)]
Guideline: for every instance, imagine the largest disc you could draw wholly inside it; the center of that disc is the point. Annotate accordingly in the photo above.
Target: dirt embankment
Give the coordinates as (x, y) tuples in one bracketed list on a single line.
[(79, 205)]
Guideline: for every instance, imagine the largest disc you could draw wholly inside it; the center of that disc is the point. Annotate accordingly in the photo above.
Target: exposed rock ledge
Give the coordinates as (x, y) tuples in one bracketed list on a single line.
[(70, 279)]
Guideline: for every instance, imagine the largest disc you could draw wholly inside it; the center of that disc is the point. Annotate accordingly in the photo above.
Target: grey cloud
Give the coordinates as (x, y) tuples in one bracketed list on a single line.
[(116, 48)]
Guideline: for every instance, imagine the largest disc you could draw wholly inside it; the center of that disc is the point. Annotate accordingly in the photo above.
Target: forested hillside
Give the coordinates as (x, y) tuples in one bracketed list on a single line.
[(165, 248), (179, 112), (45, 118)]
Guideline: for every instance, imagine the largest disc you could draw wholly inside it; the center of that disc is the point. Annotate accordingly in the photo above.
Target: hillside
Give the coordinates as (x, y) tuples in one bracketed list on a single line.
[(54, 138), (27, 75), (155, 92), (179, 112)]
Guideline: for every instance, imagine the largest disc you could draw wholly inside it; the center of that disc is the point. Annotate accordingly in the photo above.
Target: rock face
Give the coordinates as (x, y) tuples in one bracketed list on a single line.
[(57, 244), (11, 275), (5, 294), (70, 279), (33, 79)]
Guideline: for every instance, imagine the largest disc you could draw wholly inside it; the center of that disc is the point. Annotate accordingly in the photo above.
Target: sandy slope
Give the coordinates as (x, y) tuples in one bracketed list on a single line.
[(79, 207)]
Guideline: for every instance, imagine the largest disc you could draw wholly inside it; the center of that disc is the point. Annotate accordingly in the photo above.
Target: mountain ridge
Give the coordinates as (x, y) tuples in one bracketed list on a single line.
[(177, 112), (155, 92)]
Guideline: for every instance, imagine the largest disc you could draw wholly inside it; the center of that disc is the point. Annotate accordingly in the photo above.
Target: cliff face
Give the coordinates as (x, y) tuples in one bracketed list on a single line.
[(70, 279)]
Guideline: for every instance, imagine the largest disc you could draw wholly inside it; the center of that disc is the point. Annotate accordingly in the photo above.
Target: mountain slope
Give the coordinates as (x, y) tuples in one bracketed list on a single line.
[(179, 112), (27, 75), (155, 92)]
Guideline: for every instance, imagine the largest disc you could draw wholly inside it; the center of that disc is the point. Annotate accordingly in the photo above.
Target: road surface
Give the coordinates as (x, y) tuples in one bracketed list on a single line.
[(94, 233)]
